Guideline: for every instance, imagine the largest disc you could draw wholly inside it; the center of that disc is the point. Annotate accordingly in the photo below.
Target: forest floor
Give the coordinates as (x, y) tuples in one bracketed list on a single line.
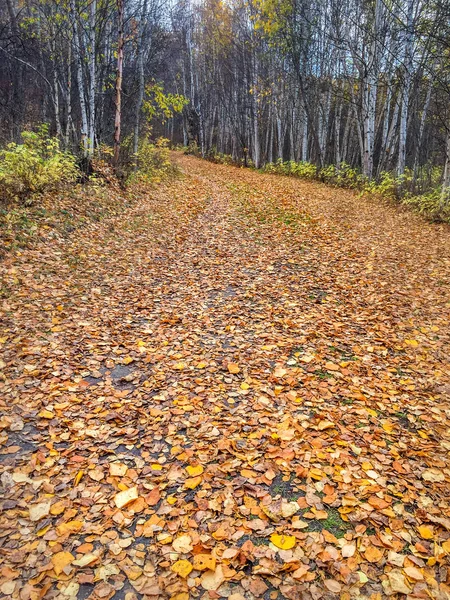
[(237, 388)]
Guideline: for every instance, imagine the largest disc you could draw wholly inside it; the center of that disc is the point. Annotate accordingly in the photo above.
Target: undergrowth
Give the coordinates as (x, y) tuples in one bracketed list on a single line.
[(43, 196), (36, 166), (432, 204), (152, 163)]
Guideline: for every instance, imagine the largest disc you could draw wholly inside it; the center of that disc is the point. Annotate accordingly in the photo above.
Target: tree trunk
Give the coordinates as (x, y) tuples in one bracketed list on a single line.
[(408, 66), (118, 118), (80, 78), (422, 128), (445, 194), (141, 88), (92, 76)]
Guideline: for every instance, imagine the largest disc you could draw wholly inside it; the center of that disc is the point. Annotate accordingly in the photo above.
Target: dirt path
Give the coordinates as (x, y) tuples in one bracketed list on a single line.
[(237, 389)]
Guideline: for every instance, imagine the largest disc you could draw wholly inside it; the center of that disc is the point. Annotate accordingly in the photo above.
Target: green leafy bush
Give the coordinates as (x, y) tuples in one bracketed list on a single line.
[(388, 185), (434, 205), (38, 165), (342, 176), (153, 162)]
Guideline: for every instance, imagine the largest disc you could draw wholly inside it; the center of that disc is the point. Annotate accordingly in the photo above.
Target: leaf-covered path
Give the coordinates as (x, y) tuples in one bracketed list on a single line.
[(238, 389)]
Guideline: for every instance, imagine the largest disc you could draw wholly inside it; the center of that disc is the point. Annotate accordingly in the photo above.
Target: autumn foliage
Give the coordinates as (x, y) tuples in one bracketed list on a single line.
[(234, 386)]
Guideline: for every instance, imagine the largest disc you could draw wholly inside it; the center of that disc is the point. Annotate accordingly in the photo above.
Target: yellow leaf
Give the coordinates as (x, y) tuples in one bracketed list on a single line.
[(398, 582), (425, 532), (57, 508), (43, 530), (127, 360), (233, 368), (78, 477), (46, 414), (244, 386), (192, 483), (180, 366), (69, 527), (194, 470), (182, 568), (388, 426), (316, 474), (85, 560), (156, 467), (325, 425), (202, 562), (171, 499), (284, 542), (373, 554), (60, 560)]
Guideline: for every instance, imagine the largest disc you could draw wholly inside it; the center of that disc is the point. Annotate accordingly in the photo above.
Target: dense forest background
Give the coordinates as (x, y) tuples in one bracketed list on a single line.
[(363, 83)]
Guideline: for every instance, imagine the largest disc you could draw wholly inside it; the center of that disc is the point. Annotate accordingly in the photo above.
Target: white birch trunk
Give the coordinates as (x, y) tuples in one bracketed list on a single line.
[(408, 66), (92, 75), (80, 78)]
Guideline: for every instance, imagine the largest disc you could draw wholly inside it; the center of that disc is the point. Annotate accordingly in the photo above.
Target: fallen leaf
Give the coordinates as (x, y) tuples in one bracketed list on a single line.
[(212, 580), (194, 471), (123, 498), (117, 469), (414, 573), (70, 527), (425, 532), (348, 550), (39, 511), (61, 560), (203, 562), (322, 425), (85, 560), (284, 542), (398, 582), (183, 543), (373, 554), (182, 568), (193, 482), (433, 475)]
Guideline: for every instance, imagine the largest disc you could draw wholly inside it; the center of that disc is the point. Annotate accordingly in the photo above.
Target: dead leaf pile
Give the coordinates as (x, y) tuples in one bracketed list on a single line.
[(236, 389)]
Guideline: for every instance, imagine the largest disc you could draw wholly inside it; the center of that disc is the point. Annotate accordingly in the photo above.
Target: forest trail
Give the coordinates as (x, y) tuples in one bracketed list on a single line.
[(236, 389)]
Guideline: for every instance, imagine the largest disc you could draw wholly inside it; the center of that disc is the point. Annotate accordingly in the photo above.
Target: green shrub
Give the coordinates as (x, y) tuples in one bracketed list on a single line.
[(302, 169), (388, 185), (38, 165), (153, 162), (343, 176), (434, 205)]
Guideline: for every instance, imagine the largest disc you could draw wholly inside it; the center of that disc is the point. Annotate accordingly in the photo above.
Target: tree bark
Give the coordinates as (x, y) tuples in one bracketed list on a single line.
[(118, 117)]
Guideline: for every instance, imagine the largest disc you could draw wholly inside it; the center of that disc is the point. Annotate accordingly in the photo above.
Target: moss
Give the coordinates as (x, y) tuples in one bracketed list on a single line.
[(333, 523), (284, 488)]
